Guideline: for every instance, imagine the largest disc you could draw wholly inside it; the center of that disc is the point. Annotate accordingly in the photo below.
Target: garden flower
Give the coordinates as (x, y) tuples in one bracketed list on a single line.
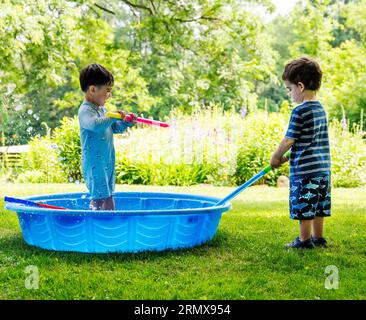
[(344, 123), (243, 112)]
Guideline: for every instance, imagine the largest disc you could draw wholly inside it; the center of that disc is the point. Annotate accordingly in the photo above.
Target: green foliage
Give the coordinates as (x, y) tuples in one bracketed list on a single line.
[(35, 39), (163, 54), (177, 55), (200, 148), (313, 28), (354, 13), (348, 156), (344, 81), (67, 145), (41, 163), (160, 174), (196, 51), (332, 32), (56, 158), (172, 54), (262, 134), (43, 46), (211, 146), (344, 67)]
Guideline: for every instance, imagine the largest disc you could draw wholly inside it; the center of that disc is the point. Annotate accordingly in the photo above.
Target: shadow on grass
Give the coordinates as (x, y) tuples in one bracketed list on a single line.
[(14, 246)]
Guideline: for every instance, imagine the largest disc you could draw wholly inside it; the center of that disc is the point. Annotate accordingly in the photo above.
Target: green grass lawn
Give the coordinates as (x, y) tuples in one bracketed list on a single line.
[(245, 260)]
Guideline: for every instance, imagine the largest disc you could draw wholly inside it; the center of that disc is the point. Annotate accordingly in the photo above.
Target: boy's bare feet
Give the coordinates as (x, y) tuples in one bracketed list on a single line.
[(102, 204)]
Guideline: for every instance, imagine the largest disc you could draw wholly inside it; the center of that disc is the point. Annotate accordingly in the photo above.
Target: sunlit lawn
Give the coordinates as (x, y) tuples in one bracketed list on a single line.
[(245, 260)]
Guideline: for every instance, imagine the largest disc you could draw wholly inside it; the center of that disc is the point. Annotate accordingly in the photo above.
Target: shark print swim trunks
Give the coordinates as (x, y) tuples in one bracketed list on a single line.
[(310, 197)]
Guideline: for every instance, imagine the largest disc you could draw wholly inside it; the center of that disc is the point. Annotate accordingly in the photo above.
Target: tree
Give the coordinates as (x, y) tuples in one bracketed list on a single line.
[(43, 45), (345, 67), (333, 32), (193, 52)]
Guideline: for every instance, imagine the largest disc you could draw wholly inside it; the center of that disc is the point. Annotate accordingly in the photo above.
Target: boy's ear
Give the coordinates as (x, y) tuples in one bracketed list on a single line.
[(301, 85), (92, 89)]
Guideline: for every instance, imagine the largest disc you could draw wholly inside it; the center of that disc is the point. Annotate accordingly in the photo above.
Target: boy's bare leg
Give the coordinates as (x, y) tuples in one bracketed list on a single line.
[(103, 204), (305, 229), (108, 204), (318, 223)]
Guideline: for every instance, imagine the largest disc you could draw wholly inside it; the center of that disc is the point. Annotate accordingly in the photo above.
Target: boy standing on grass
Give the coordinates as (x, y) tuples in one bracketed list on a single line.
[(96, 136), (307, 136)]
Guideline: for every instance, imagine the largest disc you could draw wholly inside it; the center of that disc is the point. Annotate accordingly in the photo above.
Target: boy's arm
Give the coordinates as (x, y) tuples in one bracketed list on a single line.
[(121, 126), (277, 158), (89, 120), (293, 133)]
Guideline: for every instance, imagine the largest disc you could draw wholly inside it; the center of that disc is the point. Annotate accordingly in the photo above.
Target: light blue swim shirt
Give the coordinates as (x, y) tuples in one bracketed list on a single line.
[(98, 154)]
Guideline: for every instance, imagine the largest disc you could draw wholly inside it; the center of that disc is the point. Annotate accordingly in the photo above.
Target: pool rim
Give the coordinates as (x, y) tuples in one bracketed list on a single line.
[(100, 213)]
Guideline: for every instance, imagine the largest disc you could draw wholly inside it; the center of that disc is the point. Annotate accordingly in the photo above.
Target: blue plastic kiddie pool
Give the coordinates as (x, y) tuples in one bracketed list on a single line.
[(141, 222)]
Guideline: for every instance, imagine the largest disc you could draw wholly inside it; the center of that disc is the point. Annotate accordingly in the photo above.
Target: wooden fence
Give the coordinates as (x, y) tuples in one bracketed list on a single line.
[(10, 156)]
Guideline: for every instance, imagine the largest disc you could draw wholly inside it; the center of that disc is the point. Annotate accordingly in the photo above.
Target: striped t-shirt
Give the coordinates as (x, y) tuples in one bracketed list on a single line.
[(310, 154)]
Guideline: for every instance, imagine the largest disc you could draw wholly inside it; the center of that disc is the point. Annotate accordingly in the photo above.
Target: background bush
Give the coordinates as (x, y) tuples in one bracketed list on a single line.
[(210, 146), (41, 163), (67, 143), (178, 54), (348, 152)]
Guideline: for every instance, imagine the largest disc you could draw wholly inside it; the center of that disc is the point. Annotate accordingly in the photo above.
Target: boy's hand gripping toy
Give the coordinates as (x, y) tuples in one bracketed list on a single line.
[(129, 118), (248, 183)]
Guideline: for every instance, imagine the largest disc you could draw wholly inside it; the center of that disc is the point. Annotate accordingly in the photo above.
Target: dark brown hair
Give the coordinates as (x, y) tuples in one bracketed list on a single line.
[(304, 70), (95, 75)]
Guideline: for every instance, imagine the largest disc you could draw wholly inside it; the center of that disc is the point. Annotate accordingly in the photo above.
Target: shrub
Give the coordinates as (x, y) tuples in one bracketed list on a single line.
[(67, 142), (41, 163), (348, 151), (209, 146), (261, 137)]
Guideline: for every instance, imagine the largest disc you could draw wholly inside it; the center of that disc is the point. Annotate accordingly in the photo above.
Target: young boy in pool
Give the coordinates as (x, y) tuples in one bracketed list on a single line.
[(307, 136), (96, 136)]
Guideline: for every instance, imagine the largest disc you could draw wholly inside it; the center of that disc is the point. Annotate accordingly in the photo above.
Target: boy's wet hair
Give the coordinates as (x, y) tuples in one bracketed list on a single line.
[(95, 75), (304, 70)]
